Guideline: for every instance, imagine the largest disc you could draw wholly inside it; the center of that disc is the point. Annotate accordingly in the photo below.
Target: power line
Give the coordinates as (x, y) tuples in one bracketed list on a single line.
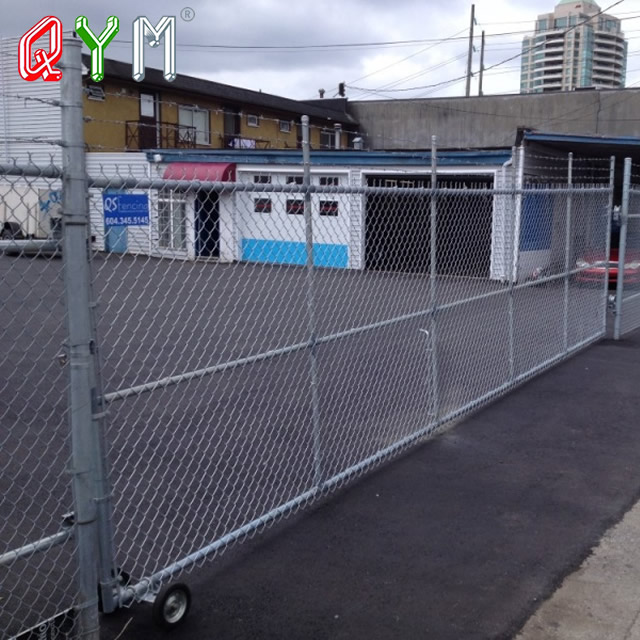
[(418, 73), (354, 45), (569, 30), (388, 87), (413, 55), (497, 64)]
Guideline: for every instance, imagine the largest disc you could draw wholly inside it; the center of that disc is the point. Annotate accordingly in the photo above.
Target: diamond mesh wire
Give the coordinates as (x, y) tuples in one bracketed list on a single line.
[(242, 384), (630, 312), (35, 489)]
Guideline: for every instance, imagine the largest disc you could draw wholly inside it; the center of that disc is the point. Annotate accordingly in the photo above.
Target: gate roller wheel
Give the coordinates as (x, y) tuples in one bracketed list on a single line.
[(171, 605)]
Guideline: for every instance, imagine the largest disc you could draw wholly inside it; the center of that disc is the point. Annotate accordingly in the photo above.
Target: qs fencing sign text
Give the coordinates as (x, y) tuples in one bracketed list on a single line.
[(143, 31)]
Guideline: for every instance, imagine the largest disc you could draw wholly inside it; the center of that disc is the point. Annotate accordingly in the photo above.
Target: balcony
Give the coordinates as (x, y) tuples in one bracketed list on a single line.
[(159, 135), (236, 141), (600, 67)]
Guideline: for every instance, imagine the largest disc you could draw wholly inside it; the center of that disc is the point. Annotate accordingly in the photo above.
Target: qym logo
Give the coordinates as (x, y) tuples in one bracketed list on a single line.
[(143, 31), (44, 68)]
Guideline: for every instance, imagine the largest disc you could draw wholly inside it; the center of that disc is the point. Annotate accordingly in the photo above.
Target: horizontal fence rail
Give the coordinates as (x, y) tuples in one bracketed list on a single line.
[(252, 345), (224, 383)]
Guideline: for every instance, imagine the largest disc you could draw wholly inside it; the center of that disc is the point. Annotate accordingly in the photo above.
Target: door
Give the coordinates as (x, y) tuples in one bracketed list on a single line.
[(231, 127), (115, 239), (398, 228), (115, 236), (465, 226), (207, 224), (148, 123)]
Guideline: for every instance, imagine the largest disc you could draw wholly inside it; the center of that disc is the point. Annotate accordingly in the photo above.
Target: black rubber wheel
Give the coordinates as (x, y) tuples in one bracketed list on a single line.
[(172, 605), (6, 235)]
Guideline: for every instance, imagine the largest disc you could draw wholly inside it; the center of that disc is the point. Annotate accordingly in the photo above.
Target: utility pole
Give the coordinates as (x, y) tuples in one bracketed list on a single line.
[(470, 58), (481, 66)]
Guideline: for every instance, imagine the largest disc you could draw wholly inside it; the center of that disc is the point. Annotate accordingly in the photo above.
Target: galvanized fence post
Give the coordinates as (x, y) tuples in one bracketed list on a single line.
[(85, 446), (518, 210), (513, 274), (311, 303), (624, 222), (612, 174), (433, 281), (567, 254), (107, 569)]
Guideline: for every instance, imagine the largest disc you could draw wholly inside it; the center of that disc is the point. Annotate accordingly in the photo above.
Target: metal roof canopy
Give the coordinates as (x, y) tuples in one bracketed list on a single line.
[(202, 171), (587, 146), (333, 158)]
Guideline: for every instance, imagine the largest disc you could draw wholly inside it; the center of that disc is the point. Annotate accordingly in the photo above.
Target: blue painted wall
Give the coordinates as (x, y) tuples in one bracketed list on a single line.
[(536, 222), (115, 236), (283, 252), (115, 239)]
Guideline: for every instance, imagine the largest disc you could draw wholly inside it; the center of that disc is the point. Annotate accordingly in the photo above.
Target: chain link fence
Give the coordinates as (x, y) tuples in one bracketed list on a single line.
[(267, 338), (37, 562), (626, 255), (236, 346)]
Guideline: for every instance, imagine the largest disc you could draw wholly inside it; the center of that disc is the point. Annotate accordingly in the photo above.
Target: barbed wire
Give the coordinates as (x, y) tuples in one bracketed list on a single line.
[(33, 140), (31, 98), (289, 140)]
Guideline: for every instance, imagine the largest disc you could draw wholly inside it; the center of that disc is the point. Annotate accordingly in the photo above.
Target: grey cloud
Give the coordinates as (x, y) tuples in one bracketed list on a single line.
[(287, 22)]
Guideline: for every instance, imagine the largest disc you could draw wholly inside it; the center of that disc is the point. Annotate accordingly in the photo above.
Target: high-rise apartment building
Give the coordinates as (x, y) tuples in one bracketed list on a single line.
[(575, 46)]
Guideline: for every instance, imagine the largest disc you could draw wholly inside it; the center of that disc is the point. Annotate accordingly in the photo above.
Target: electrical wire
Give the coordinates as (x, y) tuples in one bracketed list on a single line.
[(413, 55), (493, 66), (241, 48)]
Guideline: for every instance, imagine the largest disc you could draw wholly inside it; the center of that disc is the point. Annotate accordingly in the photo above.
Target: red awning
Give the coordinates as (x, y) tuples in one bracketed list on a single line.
[(202, 171)]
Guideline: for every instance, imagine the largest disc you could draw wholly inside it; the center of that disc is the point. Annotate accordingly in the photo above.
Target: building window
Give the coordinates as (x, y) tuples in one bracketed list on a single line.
[(327, 139), (329, 181), (329, 208), (561, 23), (285, 126), (253, 120), (262, 178), (541, 25), (295, 179), (295, 207), (262, 205), (147, 105), (172, 221), (196, 118)]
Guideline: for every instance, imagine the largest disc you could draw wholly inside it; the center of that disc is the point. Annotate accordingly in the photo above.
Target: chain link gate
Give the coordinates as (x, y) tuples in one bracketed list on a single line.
[(235, 373), (242, 390), (627, 265)]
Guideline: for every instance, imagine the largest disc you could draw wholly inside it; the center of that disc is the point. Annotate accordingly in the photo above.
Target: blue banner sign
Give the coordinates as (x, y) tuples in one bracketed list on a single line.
[(125, 209)]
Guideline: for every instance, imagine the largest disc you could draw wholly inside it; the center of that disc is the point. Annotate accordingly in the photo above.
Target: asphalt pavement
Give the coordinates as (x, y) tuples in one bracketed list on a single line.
[(463, 538)]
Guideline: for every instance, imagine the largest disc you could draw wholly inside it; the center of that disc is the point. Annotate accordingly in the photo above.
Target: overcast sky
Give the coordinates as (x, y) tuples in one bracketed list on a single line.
[(299, 73)]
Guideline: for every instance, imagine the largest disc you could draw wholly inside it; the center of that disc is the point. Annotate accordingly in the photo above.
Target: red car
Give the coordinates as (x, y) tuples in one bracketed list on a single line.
[(593, 268)]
